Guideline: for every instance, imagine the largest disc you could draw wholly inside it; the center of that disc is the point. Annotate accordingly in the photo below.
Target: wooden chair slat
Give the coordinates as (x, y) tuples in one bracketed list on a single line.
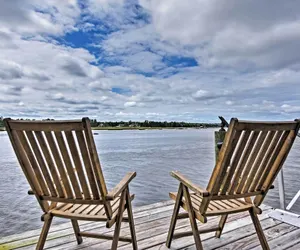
[(94, 157), (234, 163), (68, 163), (78, 164), (267, 155), (272, 158), (87, 163), (50, 163), (96, 163), (37, 174), (282, 155), (27, 166), (45, 126), (223, 159), (247, 179), (248, 161), (244, 158), (59, 165), (257, 167), (266, 126), (277, 165), (41, 162)]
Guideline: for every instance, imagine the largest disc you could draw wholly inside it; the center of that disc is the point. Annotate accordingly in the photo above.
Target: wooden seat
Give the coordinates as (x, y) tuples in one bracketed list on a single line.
[(215, 207), (251, 156), (61, 164), (85, 211)]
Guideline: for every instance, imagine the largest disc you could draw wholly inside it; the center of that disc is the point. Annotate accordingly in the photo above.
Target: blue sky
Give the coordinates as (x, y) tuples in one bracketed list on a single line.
[(150, 59)]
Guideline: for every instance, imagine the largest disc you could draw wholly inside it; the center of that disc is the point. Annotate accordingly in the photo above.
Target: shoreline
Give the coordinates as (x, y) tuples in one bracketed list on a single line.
[(138, 128), (145, 128)]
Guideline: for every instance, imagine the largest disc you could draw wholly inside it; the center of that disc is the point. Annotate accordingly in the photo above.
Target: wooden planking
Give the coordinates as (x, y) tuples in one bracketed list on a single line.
[(234, 223), (143, 211), (152, 222), (141, 214), (272, 232)]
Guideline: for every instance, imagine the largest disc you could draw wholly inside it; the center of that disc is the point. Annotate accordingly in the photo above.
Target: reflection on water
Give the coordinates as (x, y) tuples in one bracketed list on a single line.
[(151, 153)]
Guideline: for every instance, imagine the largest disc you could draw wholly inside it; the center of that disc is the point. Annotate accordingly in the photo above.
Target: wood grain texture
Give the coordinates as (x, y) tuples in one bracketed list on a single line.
[(251, 156), (60, 162)]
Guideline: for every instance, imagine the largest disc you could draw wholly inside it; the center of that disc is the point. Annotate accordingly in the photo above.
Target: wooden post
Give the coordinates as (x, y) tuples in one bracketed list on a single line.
[(219, 137)]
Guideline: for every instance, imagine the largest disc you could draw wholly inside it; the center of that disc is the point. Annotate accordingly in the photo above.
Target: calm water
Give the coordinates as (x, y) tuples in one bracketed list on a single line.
[(151, 153)]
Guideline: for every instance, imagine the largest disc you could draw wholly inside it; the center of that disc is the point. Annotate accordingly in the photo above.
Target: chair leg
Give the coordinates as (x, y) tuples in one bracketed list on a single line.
[(76, 231), (221, 225), (174, 216), (44, 233), (131, 221), (192, 218), (259, 230), (119, 221)]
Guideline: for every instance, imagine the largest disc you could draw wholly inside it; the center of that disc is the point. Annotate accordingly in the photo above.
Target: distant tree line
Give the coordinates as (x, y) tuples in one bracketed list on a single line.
[(146, 123), (152, 124)]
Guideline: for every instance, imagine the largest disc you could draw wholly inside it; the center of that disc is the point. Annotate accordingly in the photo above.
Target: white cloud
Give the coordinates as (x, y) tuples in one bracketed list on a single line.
[(247, 54), (33, 17), (243, 34), (129, 104)]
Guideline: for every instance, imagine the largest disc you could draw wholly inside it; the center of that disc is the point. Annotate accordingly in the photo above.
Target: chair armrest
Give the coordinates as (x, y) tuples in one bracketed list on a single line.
[(121, 186), (177, 175)]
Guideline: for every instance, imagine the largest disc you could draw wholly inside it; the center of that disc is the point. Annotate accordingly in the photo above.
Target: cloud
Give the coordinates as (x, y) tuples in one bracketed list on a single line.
[(32, 17), (243, 34), (149, 59), (129, 104)]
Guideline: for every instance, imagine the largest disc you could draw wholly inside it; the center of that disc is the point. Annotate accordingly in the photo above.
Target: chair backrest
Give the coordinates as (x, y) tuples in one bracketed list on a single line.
[(59, 160), (250, 159)]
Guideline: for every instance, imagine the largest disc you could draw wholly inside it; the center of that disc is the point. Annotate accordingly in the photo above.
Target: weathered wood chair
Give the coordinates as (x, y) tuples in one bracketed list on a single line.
[(61, 164), (251, 156)]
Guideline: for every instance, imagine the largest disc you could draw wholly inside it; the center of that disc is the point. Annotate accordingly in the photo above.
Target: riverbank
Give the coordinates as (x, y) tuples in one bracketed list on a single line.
[(142, 128), (136, 128)]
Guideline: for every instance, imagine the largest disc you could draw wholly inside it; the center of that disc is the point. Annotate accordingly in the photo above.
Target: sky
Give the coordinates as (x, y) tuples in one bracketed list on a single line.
[(150, 59)]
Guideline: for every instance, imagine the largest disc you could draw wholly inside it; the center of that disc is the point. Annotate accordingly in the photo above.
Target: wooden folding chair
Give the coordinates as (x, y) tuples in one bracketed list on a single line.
[(250, 158), (61, 164)]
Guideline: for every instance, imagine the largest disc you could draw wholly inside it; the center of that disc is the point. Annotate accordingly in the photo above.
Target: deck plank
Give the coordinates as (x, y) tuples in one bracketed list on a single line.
[(152, 223)]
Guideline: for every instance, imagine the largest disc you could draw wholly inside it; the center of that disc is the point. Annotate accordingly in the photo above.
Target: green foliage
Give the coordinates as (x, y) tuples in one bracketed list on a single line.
[(144, 124), (153, 124)]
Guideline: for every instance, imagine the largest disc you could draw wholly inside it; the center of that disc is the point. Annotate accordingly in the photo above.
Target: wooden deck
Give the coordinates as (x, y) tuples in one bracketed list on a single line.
[(152, 222)]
